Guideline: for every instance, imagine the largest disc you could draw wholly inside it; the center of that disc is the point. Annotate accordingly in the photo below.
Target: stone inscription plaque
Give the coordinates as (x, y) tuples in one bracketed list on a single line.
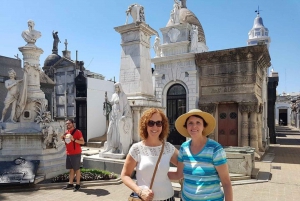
[(18, 171), (228, 80), (228, 68), (227, 90)]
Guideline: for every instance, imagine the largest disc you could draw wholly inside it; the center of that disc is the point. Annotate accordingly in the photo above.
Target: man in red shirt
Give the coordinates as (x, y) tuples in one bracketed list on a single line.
[(73, 139)]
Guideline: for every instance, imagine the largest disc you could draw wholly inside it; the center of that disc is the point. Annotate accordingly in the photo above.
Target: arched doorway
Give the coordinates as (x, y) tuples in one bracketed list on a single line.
[(176, 106), (283, 117)]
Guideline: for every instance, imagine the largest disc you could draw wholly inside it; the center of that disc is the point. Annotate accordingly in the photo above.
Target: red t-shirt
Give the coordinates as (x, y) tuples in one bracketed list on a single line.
[(70, 147)]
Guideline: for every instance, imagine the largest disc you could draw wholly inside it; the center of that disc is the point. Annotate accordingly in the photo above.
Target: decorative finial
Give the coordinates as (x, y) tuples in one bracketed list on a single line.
[(257, 11), (66, 44)]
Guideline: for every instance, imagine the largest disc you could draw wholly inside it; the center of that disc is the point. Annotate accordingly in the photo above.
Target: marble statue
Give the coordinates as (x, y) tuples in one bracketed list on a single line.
[(23, 95), (156, 47), (55, 41), (120, 123), (12, 96), (175, 12), (194, 38), (125, 128), (137, 13), (31, 35)]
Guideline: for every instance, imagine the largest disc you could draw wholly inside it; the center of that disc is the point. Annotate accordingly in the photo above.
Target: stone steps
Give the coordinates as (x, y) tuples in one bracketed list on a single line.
[(97, 142)]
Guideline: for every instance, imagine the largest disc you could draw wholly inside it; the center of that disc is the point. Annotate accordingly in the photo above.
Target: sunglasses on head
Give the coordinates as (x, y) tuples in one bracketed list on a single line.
[(152, 123)]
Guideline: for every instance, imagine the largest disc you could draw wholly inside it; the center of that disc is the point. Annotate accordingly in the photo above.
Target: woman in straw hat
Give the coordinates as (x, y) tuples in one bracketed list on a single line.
[(201, 161), (153, 130)]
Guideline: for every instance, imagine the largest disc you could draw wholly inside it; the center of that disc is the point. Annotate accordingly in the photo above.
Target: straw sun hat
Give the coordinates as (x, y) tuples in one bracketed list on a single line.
[(210, 120)]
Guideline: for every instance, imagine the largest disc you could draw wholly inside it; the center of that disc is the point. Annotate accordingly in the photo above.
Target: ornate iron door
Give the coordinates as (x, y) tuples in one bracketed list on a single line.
[(228, 124), (176, 106)]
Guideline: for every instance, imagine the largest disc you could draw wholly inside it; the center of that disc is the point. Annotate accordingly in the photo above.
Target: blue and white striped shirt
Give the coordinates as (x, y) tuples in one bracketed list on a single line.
[(201, 179)]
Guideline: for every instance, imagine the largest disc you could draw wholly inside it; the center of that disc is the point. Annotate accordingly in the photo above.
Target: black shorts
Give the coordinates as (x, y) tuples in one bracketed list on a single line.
[(73, 162)]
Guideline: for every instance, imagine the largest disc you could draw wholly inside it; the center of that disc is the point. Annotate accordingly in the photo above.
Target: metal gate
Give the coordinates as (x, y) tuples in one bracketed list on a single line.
[(176, 106), (228, 124)]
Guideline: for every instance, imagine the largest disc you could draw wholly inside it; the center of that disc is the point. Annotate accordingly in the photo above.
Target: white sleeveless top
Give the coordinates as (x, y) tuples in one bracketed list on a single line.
[(146, 158)]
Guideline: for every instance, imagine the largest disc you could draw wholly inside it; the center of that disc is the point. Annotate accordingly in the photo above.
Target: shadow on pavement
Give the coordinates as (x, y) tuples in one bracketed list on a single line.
[(288, 141), (98, 192), (2, 197)]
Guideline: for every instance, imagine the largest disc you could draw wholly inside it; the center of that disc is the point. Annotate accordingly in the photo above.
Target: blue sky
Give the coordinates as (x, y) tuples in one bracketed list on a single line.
[(88, 25)]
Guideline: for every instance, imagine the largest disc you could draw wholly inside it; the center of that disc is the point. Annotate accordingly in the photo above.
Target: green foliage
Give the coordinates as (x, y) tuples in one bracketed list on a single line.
[(87, 175)]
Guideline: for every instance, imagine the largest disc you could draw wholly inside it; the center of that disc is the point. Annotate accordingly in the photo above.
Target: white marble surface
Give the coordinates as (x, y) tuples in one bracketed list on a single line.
[(240, 163), (135, 70)]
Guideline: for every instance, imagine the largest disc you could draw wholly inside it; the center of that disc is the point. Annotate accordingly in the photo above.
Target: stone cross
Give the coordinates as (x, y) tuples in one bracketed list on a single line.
[(66, 44)]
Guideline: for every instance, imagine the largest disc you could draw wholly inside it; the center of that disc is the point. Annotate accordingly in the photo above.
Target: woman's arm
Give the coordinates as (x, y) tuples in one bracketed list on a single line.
[(225, 180), (129, 165), (174, 159), (178, 174)]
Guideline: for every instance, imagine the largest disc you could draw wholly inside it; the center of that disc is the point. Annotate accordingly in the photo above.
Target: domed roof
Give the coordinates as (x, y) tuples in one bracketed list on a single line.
[(51, 60), (187, 16), (258, 22)]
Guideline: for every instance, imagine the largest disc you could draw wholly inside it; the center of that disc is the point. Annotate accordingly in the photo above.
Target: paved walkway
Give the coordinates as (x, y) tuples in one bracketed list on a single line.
[(282, 160)]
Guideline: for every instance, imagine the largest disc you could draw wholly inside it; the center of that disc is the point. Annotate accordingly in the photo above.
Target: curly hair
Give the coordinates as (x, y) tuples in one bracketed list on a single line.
[(144, 121)]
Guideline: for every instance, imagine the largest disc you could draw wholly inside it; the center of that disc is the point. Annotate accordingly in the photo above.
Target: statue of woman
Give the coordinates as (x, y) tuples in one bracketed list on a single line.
[(175, 12), (55, 41), (194, 38), (156, 46), (120, 122)]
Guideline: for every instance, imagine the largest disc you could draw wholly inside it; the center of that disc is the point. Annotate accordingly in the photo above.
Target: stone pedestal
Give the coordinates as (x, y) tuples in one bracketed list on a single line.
[(31, 55), (241, 160), (26, 140), (135, 69)]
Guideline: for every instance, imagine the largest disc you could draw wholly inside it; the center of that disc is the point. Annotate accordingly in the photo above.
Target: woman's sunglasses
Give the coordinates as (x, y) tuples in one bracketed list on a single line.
[(152, 123)]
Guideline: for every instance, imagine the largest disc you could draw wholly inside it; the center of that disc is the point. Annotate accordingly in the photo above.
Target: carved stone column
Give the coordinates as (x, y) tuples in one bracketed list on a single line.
[(259, 129), (253, 109), (253, 130), (244, 109), (209, 108)]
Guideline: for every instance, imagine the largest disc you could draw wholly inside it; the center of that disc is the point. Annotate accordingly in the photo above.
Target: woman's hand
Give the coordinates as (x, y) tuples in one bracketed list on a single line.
[(147, 194)]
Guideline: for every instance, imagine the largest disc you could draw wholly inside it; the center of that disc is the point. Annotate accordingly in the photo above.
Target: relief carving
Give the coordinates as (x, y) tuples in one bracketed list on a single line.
[(252, 107), (245, 125), (130, 36), (249, 53), (252, 125), (253, 137), (210, 108), (173, 35)]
